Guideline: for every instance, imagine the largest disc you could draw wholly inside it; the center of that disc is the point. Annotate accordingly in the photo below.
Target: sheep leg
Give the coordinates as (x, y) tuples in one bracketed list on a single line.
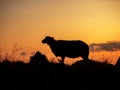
[(62, 61), (85, 57)]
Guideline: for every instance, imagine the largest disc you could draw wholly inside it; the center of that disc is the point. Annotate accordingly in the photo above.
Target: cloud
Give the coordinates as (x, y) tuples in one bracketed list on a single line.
[(108, 46)]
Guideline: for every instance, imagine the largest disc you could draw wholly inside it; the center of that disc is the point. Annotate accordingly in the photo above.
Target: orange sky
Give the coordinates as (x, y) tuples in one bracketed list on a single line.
[(27, 22)]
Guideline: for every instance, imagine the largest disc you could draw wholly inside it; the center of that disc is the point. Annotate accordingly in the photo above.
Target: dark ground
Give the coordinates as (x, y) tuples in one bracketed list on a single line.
[(39, 74)]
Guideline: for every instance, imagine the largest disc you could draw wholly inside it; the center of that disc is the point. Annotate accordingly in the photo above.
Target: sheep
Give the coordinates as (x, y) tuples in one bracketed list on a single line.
[(65, 48)]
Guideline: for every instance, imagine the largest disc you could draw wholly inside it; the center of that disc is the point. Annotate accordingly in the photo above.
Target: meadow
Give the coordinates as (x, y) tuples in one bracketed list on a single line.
[(41, 74)]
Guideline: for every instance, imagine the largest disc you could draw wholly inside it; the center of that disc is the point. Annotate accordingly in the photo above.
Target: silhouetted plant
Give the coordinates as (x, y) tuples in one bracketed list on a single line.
[(38, 58), (15, 53), (23, 54)]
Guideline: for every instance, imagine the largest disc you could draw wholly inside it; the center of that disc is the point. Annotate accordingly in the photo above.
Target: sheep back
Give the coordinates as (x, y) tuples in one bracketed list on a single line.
[(70, 49)]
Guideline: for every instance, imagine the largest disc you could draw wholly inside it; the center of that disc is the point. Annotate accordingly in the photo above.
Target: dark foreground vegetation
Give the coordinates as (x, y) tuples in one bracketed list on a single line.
[(39, 74)]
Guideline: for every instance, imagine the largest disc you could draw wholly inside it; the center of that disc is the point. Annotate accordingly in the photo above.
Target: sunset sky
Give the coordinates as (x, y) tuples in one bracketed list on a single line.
[(27, 22)]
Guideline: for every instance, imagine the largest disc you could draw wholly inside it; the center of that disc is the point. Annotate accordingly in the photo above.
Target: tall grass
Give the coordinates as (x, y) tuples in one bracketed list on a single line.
[(17, 53), (106, 57), (12, 54)]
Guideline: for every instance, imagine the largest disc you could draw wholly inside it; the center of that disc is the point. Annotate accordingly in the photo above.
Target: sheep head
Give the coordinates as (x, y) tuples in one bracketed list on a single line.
[(48, 39)]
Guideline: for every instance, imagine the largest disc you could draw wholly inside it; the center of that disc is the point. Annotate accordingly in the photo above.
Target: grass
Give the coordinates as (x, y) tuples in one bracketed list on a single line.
[(41, 74)]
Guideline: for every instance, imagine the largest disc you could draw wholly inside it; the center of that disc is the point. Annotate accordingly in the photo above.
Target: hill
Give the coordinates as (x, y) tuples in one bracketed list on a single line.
[(39, 74)]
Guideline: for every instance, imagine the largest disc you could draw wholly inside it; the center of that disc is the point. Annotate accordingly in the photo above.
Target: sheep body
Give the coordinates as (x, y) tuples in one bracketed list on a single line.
[(64, 48)]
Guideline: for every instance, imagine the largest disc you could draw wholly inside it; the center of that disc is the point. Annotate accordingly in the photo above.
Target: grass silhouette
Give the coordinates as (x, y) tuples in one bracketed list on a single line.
[(41, 74)]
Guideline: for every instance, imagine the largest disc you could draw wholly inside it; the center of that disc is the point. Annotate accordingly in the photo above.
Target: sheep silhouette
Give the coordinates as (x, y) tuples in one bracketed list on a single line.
[(65, 48)]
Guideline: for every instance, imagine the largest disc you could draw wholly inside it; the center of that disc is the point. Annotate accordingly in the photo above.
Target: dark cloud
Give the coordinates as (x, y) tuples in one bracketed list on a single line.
[(108, 46)]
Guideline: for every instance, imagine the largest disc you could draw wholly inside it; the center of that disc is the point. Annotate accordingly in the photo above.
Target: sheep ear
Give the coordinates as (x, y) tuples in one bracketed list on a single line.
[(49, 37)]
